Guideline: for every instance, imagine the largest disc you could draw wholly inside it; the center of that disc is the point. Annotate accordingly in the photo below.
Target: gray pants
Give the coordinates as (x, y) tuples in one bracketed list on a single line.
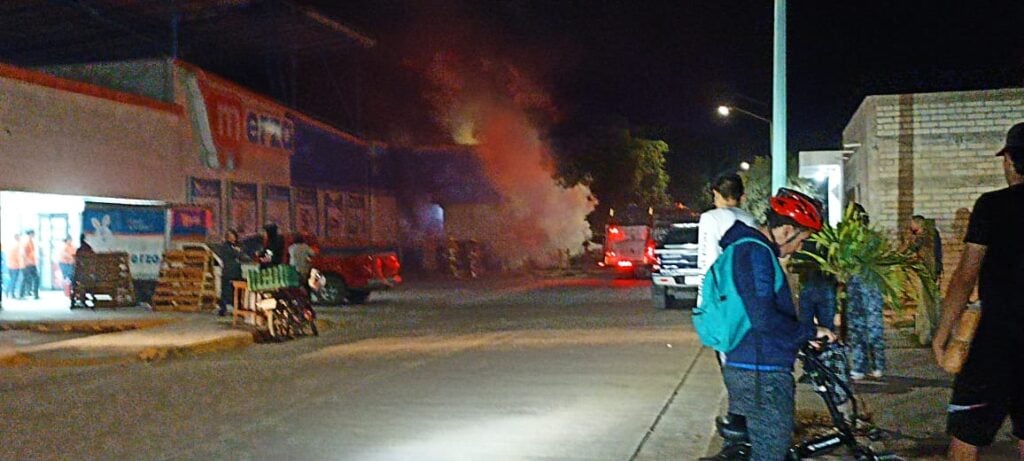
[(767, 399)]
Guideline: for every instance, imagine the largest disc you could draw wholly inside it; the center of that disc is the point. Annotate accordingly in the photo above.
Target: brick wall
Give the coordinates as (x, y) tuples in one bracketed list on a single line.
[(930, 154)]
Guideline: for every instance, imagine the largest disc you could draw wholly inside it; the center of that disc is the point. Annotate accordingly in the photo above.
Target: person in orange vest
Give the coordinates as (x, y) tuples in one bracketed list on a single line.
[(67, 260), (30, 273), (15, 263)]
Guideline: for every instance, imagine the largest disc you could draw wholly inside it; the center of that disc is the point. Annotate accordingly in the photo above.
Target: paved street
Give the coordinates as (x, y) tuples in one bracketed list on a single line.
[(557, 369)]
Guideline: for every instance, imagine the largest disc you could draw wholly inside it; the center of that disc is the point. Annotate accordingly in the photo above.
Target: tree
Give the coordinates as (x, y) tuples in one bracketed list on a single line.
[(619, 168), (757, 183)]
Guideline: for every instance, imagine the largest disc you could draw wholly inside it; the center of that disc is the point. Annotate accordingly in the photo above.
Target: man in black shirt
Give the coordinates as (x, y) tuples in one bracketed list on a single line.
[(990, 386)]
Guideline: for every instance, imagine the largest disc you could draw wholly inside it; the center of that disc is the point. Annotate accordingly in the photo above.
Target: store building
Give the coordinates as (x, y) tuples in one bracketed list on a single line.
[(929, 154), (164, 138)]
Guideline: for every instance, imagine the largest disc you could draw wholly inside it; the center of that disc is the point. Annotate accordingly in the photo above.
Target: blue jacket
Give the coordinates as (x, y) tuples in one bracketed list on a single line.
[(776, 333)]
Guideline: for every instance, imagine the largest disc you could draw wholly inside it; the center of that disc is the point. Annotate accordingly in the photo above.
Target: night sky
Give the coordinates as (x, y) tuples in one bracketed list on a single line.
[(666, 65)]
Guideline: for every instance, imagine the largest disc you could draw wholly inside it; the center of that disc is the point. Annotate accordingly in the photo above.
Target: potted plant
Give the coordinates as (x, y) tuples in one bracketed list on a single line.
[(853, 247)]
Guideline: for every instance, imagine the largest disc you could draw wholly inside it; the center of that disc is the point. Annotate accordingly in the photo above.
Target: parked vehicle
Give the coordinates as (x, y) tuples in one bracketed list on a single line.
[(675, 277), (349, 275), (628, 243)]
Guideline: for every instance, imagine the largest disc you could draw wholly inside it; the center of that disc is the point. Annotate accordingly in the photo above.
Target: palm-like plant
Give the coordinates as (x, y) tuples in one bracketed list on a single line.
[(853, 248)]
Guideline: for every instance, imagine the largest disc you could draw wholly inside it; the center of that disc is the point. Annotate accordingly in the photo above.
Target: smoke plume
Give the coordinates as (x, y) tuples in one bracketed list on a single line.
[(497, 108)]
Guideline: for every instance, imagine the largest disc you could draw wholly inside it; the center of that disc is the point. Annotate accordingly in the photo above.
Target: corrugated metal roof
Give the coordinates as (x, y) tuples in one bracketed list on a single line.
[(40, 32)]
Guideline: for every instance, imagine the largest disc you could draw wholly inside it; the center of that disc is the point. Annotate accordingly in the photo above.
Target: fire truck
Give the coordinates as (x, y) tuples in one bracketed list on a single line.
[(629, 243)]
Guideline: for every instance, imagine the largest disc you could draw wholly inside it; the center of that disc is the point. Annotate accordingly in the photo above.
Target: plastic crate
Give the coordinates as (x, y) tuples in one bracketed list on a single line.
[(272, 278)]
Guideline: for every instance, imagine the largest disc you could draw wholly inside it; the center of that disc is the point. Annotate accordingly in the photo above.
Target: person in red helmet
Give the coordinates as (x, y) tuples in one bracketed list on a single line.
[(759, 371)]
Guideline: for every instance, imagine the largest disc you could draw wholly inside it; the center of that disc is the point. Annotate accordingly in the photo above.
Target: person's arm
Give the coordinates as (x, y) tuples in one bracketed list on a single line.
[(961, 285)]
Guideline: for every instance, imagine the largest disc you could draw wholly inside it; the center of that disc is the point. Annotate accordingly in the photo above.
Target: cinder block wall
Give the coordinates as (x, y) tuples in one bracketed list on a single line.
[(930, 154)]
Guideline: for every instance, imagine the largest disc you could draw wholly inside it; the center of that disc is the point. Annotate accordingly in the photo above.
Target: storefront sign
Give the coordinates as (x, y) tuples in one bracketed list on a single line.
[(277, 207), (269, 131), (207, 193), (231, 123), (242, 204), (307, 219), (137, 230), (190, 223), (356, 222), (334, 214)]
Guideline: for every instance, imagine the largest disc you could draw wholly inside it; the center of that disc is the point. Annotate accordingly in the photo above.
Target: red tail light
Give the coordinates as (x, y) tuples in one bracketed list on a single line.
[(614, 234), (649, 256)]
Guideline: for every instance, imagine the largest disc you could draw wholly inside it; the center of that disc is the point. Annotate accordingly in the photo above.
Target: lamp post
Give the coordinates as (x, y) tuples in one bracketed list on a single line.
[(779, 97), (725, 111)]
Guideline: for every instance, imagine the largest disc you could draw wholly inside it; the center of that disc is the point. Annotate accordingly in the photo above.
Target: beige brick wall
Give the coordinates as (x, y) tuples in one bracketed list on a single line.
[(930, 154)]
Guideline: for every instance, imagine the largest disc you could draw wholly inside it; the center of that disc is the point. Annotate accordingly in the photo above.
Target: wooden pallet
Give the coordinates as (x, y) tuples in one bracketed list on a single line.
[(102, 280), (186, 282)]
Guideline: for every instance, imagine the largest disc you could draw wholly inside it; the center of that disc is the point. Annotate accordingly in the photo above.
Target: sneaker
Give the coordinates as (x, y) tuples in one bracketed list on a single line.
[(876, 373), (856, 375)]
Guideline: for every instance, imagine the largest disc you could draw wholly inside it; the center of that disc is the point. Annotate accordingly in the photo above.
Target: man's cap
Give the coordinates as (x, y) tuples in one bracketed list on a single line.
[(1014, 140)]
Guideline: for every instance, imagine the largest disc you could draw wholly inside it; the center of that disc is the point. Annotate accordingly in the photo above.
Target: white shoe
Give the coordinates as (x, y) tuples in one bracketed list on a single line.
[(856, 376), (875, 373)]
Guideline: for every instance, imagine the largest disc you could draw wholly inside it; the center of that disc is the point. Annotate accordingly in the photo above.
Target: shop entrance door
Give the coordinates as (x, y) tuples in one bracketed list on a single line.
[(53, 229)]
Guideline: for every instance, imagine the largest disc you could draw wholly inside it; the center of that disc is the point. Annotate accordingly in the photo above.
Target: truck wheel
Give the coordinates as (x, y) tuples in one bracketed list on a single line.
[(658, 297), (358, 296), (334, 292)]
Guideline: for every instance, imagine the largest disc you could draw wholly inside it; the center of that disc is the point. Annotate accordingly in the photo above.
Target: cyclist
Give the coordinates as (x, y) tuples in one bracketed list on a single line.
[(759, 371)]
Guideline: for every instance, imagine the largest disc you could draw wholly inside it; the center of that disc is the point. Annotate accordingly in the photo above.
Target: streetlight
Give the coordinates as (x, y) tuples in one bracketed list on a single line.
[(725, 111)]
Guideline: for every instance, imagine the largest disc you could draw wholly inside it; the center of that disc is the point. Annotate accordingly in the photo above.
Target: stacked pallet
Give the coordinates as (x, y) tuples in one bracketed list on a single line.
[(102, 280), (186, 282)]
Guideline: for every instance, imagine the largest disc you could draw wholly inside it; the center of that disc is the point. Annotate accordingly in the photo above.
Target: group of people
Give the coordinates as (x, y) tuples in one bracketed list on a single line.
[(758, 372), (22, 263), (267, 249)]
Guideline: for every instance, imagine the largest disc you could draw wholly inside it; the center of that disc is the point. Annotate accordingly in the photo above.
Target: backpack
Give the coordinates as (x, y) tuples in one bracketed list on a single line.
[(721, 318)]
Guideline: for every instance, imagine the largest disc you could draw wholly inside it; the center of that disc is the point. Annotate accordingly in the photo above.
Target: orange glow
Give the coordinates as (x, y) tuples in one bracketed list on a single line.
[(625, 264)]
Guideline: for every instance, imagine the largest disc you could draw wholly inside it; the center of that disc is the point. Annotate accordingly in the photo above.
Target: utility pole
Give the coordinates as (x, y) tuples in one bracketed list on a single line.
[(779, 99)]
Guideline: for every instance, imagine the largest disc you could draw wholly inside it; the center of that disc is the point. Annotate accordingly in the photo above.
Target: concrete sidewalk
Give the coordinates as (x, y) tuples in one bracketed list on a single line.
[(86, 337), (907, 405), (685, 428)]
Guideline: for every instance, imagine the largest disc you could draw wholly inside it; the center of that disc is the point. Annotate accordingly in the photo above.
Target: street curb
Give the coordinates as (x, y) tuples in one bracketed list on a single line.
[(235, 341), (85, 326), (45, 359)]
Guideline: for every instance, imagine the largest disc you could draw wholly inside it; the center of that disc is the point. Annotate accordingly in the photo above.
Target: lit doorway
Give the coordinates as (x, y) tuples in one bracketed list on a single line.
[(54, 228), (52, 218)]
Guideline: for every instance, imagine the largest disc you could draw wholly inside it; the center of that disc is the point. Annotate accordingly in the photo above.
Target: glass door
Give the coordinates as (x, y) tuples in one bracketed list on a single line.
[(53, 229)]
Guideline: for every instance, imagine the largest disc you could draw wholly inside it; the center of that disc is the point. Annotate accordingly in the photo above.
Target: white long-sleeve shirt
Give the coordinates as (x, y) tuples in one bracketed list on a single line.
[(713, 225)]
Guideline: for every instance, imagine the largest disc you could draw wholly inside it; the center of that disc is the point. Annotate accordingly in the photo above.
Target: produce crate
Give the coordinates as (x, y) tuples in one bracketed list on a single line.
[(186, 282), (102, 280), (272, 278)]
